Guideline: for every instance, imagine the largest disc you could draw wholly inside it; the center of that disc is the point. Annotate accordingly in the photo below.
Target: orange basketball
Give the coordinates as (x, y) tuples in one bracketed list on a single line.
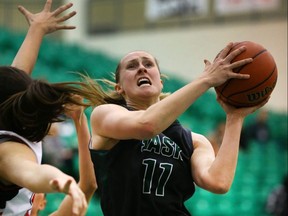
[(263, 77)]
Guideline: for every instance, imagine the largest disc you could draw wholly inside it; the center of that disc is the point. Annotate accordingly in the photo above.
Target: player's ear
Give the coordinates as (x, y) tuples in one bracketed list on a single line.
[(161, 81), (119, 89)]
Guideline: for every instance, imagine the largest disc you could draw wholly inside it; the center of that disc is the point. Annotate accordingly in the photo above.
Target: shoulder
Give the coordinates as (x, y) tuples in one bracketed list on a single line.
[(15, 149), (200, 140), (104, 108), (12, 144), (198, 137), (107, 112), (14, 155)]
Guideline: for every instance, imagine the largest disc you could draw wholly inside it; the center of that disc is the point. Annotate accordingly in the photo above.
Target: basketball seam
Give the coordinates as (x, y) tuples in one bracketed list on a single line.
[(254, 86), (240, 68), (239, 104)]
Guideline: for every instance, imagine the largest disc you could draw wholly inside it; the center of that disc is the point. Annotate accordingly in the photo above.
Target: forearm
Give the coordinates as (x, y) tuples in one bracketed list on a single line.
[(224, 166), (64, 208), (40, 178), (27, 55), (167, 110), (87, 180)]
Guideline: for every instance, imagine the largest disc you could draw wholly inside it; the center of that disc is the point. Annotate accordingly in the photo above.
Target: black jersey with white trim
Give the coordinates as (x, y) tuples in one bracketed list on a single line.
[(146, 177)]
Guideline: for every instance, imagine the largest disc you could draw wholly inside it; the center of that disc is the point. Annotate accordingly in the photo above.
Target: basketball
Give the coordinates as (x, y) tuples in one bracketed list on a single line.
[(263, 77)]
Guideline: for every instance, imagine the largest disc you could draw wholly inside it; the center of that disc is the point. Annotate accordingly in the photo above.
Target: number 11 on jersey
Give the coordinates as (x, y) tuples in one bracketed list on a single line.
[(148, 180)]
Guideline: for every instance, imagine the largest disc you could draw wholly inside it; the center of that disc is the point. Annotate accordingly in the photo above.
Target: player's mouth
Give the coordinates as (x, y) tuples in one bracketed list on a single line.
[(143, 81)]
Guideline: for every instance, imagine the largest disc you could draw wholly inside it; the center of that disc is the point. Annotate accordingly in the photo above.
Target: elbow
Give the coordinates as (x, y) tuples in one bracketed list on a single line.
[(222, 190), (89, 189), (147, 126), (221, 187), (216, 185), (93, 187), (148, 130), (222, 182)]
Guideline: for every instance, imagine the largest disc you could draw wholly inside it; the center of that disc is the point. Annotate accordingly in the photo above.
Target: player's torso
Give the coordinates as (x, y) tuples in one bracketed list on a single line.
[(143, 176)]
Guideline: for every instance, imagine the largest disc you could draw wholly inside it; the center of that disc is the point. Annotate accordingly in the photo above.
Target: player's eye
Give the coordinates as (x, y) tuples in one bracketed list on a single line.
[(149, 64), (131, 66)]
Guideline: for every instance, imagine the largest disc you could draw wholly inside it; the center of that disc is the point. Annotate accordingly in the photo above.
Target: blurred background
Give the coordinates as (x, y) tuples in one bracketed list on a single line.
[(180, 34)]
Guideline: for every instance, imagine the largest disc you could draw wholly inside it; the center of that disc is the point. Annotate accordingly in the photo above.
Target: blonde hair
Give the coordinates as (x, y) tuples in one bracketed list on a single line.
[(98, 94)]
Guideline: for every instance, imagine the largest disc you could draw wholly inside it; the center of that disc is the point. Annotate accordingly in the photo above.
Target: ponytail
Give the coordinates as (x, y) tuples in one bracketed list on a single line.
[(102, 91)]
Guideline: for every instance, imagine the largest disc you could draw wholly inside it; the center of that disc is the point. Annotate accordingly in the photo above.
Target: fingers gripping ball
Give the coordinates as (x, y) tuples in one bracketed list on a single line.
[(263, 77)]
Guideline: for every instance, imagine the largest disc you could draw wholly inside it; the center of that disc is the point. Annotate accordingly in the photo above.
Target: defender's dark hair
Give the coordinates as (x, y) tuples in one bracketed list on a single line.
[(28, 107)]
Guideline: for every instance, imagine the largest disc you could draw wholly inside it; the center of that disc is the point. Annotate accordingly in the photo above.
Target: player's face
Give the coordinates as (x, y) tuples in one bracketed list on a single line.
[(139, 76)]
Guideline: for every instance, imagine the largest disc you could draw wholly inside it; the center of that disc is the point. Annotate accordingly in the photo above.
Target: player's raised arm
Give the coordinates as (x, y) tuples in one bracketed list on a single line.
[(87, 181), (40, 24)]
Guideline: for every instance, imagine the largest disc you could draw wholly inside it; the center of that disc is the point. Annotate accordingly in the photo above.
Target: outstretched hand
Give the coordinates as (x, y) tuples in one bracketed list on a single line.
[(49, 21), (222, 67), (70, 187)]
